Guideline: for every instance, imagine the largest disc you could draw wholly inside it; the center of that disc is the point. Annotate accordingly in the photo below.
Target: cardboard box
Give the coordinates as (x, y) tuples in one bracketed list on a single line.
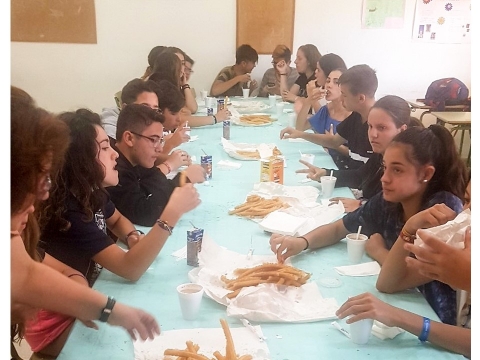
[(271, 169)]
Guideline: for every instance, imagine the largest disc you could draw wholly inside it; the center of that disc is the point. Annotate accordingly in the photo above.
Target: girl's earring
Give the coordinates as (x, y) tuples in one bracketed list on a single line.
[(424, 180)]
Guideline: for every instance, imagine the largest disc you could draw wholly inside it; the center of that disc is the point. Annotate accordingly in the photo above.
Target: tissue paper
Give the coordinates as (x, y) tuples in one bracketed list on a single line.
[(452, 233)]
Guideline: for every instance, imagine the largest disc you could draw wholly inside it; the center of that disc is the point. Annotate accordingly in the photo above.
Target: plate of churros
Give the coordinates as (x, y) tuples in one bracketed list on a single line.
[(254, 120), (244, 151), (258, 288)]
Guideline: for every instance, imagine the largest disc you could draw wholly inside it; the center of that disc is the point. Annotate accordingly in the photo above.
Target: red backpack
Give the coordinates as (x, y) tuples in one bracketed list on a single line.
[(448, 91)]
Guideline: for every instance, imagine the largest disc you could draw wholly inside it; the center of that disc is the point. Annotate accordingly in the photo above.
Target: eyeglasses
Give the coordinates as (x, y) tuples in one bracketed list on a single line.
[(156, 141), (157, 110), (189, 70)]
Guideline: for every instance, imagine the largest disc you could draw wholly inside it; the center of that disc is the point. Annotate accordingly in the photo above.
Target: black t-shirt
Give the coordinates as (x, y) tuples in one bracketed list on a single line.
[(356, 133), (76, 246), (141, 194), (302, 81), (366, 177)]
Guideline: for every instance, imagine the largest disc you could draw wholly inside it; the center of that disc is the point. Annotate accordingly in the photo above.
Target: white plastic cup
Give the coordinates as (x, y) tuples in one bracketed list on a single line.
[(210, 102), (203, 94), (328, 184), (356, 248), (292, 120), (190, 297), (272, 100), (308, 158), (280, 107), (360, 331), (246, 93)]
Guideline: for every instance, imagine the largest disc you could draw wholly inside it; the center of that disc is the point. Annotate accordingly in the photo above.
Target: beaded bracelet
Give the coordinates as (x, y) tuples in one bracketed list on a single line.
[(425, 330)]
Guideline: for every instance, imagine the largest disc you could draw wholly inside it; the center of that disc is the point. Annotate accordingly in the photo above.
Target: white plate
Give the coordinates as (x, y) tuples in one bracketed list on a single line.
[(237, 121)]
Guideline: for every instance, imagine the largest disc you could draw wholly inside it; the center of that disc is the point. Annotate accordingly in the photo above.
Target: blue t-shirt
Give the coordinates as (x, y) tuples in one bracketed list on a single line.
[(320, 123), (385, 218)]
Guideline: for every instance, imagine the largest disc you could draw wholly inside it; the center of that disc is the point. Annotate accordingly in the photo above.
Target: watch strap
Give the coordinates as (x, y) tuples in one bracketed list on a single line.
[(107, 310)]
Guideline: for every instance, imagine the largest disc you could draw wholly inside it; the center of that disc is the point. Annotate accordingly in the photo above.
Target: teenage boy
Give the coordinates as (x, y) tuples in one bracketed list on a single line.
[(232, 79), (145, 93), (143, 190), (358, 86), (270, 84)]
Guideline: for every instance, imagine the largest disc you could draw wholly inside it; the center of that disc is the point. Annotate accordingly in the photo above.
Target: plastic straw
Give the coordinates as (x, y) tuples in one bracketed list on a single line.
[(358, 232), (204, 152), (331, 175), (300, 151)]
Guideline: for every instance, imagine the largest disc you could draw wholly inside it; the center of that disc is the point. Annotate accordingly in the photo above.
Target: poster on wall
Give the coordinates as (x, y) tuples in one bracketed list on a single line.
[(383, 14), (443, 22)]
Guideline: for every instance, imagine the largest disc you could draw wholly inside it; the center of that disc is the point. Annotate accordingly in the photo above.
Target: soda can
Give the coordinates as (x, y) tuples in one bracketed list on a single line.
[(194, 245), (209, 111), (220, 104), (226, 129), (206, 163)]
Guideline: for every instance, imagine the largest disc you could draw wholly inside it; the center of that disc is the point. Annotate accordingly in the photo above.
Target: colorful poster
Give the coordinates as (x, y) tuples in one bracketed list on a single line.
[(442, 21), (383, 14)]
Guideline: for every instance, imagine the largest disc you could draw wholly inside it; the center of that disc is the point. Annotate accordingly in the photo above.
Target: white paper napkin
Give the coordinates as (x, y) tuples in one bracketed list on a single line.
[(282, 223), (383, 331), (365, 269), (452, 233), (193, 138), (228, 165)]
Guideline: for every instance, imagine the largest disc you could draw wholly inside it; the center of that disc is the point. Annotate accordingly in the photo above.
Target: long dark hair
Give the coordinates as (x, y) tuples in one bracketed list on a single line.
[(435, 146), (82, 174), (167, 67), (37, 136)]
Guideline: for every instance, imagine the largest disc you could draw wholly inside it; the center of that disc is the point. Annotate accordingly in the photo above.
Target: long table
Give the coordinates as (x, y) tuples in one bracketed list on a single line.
[(155, 290)]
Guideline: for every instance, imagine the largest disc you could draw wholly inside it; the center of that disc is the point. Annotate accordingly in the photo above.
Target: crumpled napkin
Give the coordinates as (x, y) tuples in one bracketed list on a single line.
[(383, 331), (365, 269), (228, 165), (452, 233)]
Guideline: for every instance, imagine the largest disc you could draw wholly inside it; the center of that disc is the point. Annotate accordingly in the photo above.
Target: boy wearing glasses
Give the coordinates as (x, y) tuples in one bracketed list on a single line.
[(143, 189), (270, 84)]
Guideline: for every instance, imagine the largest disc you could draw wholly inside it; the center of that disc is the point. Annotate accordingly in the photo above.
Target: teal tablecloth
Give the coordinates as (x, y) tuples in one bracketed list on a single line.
[(155, 291)]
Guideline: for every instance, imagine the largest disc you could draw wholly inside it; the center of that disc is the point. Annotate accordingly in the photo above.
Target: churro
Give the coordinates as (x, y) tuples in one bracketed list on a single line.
[(255, 206), (255, 119), (279, 274)]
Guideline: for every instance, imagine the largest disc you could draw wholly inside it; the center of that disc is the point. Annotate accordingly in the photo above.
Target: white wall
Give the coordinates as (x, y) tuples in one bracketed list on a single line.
[(66, 76)]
